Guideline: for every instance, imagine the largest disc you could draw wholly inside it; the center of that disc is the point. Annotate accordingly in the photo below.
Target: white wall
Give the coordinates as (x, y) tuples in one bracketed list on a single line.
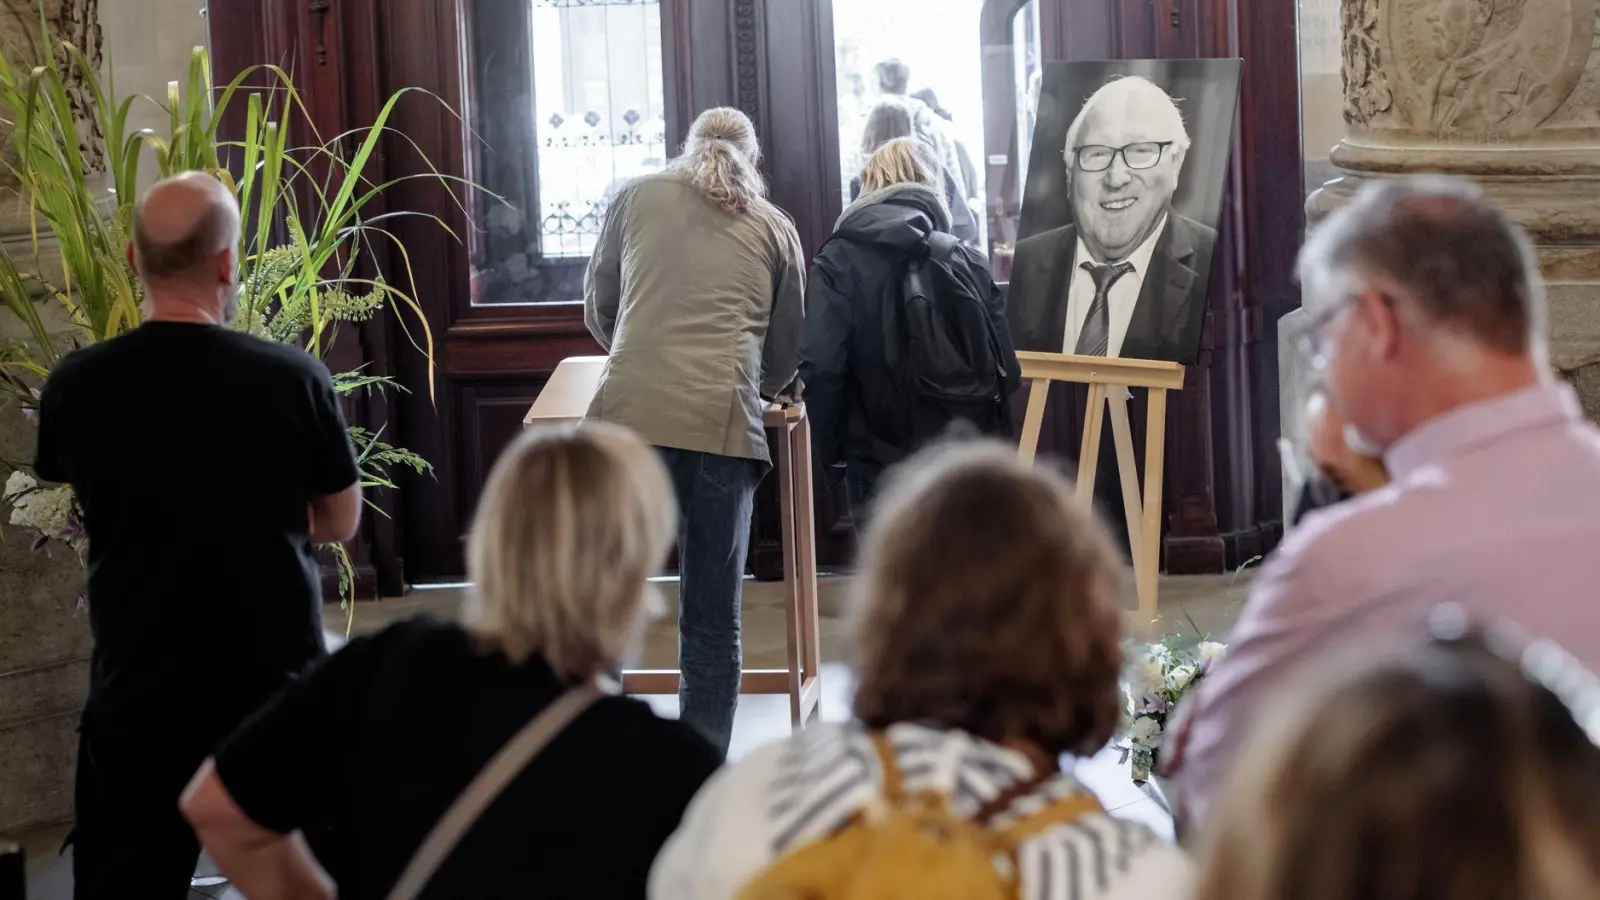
[(147, 44)]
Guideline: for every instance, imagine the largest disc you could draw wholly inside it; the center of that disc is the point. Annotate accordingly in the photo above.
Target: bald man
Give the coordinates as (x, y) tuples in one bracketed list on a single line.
[(1128, 277), (207, 462)]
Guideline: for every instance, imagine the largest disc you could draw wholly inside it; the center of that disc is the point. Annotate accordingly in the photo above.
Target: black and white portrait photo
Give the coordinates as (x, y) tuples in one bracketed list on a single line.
[(1119, 217)]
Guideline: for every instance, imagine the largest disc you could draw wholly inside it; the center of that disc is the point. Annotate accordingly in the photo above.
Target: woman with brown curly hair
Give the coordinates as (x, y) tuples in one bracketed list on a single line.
[(1445, 772), (988, 642)]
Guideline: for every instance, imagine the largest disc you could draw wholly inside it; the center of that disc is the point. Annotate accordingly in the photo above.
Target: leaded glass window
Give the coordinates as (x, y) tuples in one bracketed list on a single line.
[(568, 105)]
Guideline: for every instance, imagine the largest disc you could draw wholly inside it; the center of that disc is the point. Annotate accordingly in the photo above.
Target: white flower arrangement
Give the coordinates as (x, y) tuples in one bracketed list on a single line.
[(1159, 677), (51, 513)]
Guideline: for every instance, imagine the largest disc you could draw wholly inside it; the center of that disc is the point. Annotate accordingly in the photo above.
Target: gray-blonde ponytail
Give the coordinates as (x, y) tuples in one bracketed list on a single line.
[(719, 160)]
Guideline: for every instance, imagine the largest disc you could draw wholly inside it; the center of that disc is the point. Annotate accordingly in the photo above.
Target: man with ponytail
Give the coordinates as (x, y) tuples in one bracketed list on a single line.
[(696, 292)]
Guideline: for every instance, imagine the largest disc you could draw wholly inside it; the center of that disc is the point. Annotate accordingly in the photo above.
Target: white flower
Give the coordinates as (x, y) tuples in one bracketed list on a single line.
[(1211, 652), (1179, 679), (49, 509), (17, 494), (1146, 732), (1150, 675)]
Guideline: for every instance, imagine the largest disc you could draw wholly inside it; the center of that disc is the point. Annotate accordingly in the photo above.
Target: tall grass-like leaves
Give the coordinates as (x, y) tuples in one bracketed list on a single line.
[(306, 254)]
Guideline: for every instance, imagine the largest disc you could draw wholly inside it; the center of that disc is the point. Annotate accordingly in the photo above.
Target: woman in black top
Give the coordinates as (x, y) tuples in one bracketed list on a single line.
[(373, 746)]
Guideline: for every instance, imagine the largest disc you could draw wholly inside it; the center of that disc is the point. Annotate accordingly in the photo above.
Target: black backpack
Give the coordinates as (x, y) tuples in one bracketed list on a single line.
[(941, 346)]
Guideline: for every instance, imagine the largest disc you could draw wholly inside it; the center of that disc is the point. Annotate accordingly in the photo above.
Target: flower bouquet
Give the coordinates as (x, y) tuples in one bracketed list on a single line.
[(1161, 676)]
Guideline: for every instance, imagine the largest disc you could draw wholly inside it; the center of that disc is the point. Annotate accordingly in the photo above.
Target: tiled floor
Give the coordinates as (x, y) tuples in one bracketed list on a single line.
[(1194, 607)]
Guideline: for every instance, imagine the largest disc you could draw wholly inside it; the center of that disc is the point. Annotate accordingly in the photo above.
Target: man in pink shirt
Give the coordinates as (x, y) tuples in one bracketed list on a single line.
[(1428, 323)]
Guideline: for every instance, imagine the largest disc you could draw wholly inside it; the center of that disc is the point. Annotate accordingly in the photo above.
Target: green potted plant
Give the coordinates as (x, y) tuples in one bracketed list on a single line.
[(302, 261)]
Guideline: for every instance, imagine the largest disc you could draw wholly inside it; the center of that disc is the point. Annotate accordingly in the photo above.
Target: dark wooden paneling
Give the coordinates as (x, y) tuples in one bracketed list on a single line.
[(1271, 183), (491, 416)]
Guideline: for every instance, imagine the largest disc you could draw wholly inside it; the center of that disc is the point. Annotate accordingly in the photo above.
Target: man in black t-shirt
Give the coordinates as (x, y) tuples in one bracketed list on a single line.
[(206, 463)]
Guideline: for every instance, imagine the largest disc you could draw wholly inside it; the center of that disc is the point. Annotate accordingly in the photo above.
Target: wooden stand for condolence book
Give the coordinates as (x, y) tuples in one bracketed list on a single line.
[(565, 399), (1109, 380)]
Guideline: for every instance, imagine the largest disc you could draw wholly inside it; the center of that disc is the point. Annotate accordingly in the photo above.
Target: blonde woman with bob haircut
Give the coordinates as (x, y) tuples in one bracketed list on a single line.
[(987, 633), (697, 294), (1447, 771), (862, 415), (369, 750)]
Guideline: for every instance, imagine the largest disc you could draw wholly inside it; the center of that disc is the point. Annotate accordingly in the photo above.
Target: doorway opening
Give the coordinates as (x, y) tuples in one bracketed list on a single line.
[(975, 64)]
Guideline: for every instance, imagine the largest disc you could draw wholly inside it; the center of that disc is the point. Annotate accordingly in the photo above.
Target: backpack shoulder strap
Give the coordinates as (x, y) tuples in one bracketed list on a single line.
[(482, 791)]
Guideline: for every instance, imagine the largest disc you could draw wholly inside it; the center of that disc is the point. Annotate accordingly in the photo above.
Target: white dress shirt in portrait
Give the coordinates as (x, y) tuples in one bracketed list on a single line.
[(1124, 293)]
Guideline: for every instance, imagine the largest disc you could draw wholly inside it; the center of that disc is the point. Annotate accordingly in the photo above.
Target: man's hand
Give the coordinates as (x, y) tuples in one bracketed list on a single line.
[(1351, 472)]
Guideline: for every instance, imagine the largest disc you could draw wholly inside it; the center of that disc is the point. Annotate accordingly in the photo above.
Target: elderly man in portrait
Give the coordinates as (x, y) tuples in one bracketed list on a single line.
[(1428, 323), (1127, 277)]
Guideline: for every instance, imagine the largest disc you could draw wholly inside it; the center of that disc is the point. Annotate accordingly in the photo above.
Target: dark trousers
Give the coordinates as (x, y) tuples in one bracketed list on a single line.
[(716, 495), (129, 840)]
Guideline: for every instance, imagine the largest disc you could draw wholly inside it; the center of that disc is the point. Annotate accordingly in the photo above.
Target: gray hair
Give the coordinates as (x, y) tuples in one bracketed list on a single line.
[(1463, 264), (719, 159), (1118, 91)]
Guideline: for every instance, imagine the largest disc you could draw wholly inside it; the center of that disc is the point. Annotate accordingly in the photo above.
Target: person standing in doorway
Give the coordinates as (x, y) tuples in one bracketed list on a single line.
[(867, 413), (204, 597), (697, 294)]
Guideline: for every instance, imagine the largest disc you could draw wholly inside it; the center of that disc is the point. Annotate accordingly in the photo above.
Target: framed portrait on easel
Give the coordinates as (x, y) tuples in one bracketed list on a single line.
[(1120, 212)]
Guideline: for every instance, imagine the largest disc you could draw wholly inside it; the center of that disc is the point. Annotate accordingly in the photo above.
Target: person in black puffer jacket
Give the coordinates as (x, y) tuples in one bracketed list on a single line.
[(851, 396)]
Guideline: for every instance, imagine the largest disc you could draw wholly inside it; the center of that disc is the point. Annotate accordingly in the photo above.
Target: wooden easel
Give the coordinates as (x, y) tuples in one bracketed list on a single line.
[(1109, 380)]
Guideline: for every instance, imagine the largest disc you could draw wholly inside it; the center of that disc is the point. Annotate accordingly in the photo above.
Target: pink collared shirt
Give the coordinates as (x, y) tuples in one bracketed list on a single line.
[(1494, 507)]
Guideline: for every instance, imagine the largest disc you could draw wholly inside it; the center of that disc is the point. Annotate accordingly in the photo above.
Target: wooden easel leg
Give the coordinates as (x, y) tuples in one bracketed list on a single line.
[(810, 644), (1089, 453), (1154, 465), (1128, 471), (791, 576), (1033, 422)]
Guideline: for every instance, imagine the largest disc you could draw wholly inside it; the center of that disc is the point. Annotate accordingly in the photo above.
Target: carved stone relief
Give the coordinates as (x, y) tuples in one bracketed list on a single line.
[(747, 59), (1492, 69), (1366, 88), (75, 21)]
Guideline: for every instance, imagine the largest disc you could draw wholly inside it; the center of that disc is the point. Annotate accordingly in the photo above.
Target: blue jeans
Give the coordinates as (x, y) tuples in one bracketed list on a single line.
[(715, 498)]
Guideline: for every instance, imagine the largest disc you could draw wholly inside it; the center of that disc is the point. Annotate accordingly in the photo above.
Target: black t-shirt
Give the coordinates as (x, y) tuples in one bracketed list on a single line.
[(377, 743), (194, 451)]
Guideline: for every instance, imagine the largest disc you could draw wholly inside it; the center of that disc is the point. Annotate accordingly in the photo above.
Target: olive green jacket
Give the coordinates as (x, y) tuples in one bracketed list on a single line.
[(701, 312)]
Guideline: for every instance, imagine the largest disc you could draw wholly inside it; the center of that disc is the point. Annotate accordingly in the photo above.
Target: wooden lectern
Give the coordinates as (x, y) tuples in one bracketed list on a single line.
[(565, 400), (1109, 380)]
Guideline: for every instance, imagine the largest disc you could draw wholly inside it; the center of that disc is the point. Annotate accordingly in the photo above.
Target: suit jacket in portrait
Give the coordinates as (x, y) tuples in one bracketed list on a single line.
[(1166, 320)]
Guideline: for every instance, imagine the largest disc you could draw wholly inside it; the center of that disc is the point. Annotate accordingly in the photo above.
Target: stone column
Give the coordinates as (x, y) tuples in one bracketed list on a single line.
[(44, 642), (1506, 92)]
